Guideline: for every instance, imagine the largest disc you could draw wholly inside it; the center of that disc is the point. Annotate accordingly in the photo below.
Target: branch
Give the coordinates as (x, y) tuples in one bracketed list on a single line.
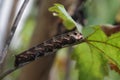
[(13, 29), (46, 48)]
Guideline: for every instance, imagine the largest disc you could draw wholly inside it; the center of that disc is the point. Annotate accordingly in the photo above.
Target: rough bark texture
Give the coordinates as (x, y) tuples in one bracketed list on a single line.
[(46, 27)]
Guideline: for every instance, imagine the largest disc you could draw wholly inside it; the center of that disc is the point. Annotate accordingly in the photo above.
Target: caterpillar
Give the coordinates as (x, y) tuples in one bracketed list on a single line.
[(48, 47)]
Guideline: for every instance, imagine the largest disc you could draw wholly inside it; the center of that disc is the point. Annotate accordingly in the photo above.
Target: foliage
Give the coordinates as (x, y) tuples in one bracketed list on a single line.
[(59, 10), (96, 52)]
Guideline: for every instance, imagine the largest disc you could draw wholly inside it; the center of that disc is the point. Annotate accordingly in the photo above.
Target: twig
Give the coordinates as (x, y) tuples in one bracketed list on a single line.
[(12, 13), (48, 47), (13, 29), (7, 72), (45, 49)]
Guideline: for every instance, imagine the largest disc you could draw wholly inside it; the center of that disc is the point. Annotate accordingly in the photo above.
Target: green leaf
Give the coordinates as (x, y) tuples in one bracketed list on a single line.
[(87, 31), (109, 46), (59, 10), (93, 55), (90, 63)]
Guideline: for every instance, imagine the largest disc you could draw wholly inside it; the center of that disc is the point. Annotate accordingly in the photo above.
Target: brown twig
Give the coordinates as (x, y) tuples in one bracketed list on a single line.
[(13, 29), (45, 49), (7, 72), (48, 47)]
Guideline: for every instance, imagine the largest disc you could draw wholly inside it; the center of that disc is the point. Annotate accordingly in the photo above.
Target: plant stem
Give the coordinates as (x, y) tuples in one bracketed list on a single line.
[(13, 29)]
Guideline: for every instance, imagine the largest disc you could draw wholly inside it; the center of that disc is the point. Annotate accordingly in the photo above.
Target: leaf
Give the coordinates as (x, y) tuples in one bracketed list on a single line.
[(92, 56), (109, 46), (59, 10), (90, 64), (87, 31)]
